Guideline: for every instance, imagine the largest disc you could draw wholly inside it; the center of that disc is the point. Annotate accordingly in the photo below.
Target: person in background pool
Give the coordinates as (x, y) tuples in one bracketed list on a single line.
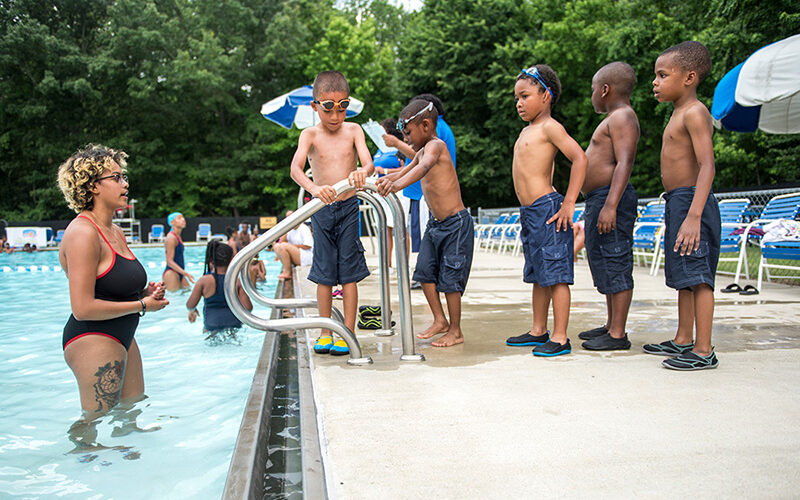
[(175, 276), (108, 287), (233, 237), (257, 270), (217, 316)]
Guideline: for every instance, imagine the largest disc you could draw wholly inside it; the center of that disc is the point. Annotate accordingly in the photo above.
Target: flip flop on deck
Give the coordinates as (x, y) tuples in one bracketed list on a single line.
[(732, 288), (749, 290)]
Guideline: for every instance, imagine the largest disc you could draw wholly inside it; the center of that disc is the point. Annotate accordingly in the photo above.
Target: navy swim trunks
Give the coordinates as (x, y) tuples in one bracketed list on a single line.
[(611, 254), (548, 253), (700, 266), (338, 252), (445, 253)]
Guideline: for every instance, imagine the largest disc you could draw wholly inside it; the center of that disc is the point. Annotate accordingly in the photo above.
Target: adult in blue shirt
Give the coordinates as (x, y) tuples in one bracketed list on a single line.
[(418, 209)]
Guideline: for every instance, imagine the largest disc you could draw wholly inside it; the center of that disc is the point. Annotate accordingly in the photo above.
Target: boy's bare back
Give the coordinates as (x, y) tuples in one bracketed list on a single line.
[(614, 137), (440, 182), (688, 133)]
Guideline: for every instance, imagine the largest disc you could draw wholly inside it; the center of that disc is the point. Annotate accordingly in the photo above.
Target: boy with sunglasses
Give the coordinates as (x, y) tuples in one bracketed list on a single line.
[(445, 254), (333, 148), (545, 215)]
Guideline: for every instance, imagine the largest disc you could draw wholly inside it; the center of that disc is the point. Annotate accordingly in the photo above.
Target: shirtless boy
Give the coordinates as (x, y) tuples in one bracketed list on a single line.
[(692, 235), (611, 203), (545, 215), (445, 254), (333, 148)]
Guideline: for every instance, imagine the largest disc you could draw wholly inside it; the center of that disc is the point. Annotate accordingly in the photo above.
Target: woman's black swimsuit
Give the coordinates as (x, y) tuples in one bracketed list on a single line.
[(123, 281)]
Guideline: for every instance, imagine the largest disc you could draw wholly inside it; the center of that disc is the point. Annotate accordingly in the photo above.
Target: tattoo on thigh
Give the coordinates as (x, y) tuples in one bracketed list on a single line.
[(108, 385)]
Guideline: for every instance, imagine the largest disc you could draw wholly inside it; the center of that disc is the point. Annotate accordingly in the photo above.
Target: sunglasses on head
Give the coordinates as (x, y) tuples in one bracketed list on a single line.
[(402, 122), (330, 104), (534, 73)]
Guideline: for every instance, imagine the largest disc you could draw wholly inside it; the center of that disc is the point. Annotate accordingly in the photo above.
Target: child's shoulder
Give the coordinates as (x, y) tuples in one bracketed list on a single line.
[(695, 114)]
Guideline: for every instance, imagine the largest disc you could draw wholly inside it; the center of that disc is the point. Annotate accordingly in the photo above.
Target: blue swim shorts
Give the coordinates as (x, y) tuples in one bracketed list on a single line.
[(445, 253), (700, 266), (548, 253), (611, 254), (338, 252)]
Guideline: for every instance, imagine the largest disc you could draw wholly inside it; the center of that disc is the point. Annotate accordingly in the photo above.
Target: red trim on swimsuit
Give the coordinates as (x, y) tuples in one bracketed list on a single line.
[(93, 333), (114, 253)]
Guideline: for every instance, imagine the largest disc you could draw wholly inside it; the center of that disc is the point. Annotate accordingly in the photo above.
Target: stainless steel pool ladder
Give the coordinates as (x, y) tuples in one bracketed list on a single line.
[(238, 267)]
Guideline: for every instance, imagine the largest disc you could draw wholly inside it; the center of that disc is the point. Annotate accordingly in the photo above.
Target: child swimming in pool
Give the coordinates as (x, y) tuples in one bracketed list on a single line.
[(445, 254), (333, 148), (217, 316), (545, 215)]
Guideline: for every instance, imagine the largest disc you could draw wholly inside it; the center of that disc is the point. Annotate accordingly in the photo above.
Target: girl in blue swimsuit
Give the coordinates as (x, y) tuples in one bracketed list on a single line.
[(108, 287), (217, 316)]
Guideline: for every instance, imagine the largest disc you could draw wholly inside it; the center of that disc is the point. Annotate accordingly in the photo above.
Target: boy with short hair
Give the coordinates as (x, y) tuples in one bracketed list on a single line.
[(692, 234), (611, 203), (333, 147), (445, 254), (545, 215)]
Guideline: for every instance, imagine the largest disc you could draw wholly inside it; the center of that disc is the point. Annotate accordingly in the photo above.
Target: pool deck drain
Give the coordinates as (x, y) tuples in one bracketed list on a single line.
[(483, 420)]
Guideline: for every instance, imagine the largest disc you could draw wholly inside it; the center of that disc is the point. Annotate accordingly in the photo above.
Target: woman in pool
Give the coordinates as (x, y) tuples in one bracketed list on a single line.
[(217, 316), (108, 287)]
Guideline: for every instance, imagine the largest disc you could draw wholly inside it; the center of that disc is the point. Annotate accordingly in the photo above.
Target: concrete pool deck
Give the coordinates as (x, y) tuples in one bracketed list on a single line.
[(483, 420)]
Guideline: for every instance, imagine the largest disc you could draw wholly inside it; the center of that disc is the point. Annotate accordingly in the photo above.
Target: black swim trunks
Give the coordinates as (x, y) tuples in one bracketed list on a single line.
[(338, 252), (611, 254), (700, 266), (445, 253)]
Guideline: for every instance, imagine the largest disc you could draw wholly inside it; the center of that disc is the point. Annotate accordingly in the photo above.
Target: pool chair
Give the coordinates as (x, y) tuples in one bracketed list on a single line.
[(782, 207), (648, 234), (203, 231), (59, 236), (732, 215), (577, 216), (156, 233), (483, 232), (505, 234)]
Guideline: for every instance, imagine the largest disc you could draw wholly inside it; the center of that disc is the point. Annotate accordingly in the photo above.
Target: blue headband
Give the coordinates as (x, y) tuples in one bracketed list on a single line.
[(172, 216)]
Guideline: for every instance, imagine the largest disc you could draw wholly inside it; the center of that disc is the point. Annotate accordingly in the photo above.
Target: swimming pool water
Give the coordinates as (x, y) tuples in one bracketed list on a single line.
[(176, 443)]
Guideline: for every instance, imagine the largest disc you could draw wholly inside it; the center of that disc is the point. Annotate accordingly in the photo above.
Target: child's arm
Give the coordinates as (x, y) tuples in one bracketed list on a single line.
[(359, 175), (623, 128), (698, 123), (194, 298), (574, 153), (325, 193), (414, 171), (403, 147)]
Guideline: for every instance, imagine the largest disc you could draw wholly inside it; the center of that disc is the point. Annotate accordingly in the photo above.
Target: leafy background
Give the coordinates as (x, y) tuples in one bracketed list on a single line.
[(178, 84)]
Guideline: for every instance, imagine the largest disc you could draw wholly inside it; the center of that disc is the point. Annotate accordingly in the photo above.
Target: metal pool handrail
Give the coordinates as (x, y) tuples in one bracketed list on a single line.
[(238, 268)]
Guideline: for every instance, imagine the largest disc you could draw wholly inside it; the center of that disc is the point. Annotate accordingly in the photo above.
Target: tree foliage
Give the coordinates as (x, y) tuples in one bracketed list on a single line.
[(178, 85)]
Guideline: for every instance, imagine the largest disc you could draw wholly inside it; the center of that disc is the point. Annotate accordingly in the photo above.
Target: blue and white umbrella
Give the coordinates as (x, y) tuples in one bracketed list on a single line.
[(763, 92), (295, 107)]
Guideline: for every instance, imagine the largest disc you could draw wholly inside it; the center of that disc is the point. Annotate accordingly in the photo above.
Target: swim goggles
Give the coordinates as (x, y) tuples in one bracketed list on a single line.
[(330, 104), (402, 122), (534, 73)]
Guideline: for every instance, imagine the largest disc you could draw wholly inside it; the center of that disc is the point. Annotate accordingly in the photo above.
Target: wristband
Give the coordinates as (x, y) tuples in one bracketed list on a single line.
[(144, 308)]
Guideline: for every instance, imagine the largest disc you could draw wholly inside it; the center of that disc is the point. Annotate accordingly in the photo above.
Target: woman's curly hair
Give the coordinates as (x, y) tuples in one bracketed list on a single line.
[(77, 175)]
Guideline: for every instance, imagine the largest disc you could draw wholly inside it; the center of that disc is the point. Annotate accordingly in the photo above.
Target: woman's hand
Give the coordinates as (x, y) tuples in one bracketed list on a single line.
[(192, 315), (153, 304), (155, 290)]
